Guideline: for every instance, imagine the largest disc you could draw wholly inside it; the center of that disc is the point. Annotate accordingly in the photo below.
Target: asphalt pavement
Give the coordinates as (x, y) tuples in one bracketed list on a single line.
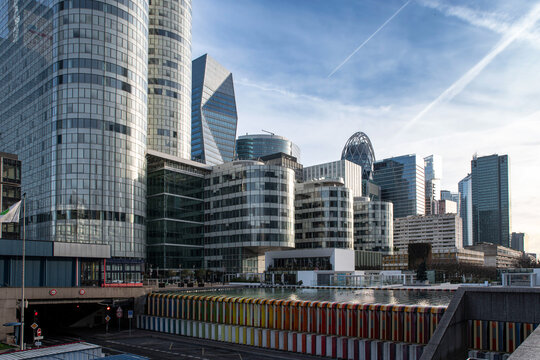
[(166, 346)]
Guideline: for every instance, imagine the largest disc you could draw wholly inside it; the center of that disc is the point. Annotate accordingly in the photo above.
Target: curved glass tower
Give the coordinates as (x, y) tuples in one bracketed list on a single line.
[(169, 78), (358, 149), (256, 146), (74, 109)]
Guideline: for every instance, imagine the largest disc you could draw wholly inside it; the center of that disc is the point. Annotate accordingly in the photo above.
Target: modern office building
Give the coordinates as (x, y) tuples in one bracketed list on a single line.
[(249, 209), (169, 77), (10, 192), (465, 209), (441, 231), (402, 182), (175, 221), (433, 174), (324, 215), (450, 195), (285, 160), (520, 241), (73, 108), (358, 149), (373, 225), (349, 172), (213, 116), (490, 176), (255, 146)]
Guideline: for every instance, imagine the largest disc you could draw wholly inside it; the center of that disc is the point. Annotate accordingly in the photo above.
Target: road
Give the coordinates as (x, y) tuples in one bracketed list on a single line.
[(165, 346)]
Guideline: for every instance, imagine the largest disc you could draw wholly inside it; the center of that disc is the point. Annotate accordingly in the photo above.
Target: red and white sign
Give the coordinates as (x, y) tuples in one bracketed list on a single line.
[(82, 292), (38, 332), (119, 312), (53, 292)]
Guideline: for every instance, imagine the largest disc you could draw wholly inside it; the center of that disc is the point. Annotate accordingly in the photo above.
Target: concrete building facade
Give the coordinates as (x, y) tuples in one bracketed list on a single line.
[(497, 256), (349, 172)]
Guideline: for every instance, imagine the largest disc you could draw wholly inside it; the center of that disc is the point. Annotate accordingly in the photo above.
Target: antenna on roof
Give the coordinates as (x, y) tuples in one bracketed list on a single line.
[(271, 133)]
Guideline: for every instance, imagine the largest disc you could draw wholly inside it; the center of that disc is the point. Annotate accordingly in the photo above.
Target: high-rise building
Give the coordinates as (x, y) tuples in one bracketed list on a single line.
[(490, 176), (73, 108), (447, 207), (450, 195), (288, 161), (433, 173), (249, 209), (520, 241), (213, 115), (373, 225), (358, 149), (175, 219), (402, 182), (344, 170), (465, 200), (255, 146), (169, 78), (324, 215), (10, 191)]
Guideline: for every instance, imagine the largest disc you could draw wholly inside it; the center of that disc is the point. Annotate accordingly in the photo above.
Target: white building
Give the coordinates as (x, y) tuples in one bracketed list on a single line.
[(442, 231), (349, 172)]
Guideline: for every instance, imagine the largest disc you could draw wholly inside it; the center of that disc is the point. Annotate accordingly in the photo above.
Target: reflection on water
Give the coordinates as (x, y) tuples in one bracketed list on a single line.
[(361, 296)]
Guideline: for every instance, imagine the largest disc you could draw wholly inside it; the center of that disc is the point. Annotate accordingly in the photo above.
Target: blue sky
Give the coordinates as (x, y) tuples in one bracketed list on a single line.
[(443, 77)]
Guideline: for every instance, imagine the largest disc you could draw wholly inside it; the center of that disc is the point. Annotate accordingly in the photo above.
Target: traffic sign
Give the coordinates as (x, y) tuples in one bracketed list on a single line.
[(53, 292), (107, 318), (38, 343), (34, 326), (38, 338), (130, 314), (38, 332), (119, 312), (82, 292)]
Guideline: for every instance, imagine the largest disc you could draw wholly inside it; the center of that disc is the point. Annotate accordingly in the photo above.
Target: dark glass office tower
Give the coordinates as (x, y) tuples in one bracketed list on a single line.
[(402, 182), (465, 204), (73, 96), (491, 206), (213, 116), (175, 212), (255, 146)]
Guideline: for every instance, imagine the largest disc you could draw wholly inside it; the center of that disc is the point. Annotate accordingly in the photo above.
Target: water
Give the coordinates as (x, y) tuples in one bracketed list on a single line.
[(361, 296)]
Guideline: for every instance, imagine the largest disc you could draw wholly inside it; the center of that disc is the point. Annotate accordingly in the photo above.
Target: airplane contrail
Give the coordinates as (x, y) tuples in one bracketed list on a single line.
[(369, 38), (526, 23)]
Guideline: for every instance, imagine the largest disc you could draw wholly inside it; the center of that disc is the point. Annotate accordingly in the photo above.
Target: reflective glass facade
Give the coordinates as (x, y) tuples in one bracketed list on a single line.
[(175, 212), (465, 201), (359, 150), (324, 215), (213, 116), (258, 145), (249, 209), (169, 77), (402, 182), (74, 108), (10, 192), (373, 225), (433, 173), (490, 176)]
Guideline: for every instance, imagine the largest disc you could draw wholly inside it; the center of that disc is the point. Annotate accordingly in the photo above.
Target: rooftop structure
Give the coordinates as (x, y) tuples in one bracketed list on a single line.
[(255, 146), (358, 149)]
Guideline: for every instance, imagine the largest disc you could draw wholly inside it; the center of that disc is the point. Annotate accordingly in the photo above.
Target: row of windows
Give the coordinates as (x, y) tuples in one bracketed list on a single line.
[(244, 225), (91, 124), (251, 211), (237, 238), (86, 215), (324, 234), (164, 62), (251, 199)]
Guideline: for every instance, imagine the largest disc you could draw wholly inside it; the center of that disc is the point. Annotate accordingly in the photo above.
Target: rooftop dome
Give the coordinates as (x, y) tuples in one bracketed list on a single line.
[(358, 149)]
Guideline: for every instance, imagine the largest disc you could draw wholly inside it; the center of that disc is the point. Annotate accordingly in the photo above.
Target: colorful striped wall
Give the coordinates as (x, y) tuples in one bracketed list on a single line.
[(498, 336), (399, 323), (338, 347)]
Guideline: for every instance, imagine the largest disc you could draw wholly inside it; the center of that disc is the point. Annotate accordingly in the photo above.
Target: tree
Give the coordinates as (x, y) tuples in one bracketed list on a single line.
[(421, 273)]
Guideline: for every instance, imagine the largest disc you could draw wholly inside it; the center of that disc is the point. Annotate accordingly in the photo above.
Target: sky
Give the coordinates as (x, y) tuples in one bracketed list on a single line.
[(453, 78)]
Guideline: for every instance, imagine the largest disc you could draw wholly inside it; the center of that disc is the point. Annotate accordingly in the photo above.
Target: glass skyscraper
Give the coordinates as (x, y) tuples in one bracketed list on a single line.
[(402, 182), (214, 117), (169, 78), (465, 201), (74, 110), (433, 173), (255, 146), (359, 150), (491, 208)]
